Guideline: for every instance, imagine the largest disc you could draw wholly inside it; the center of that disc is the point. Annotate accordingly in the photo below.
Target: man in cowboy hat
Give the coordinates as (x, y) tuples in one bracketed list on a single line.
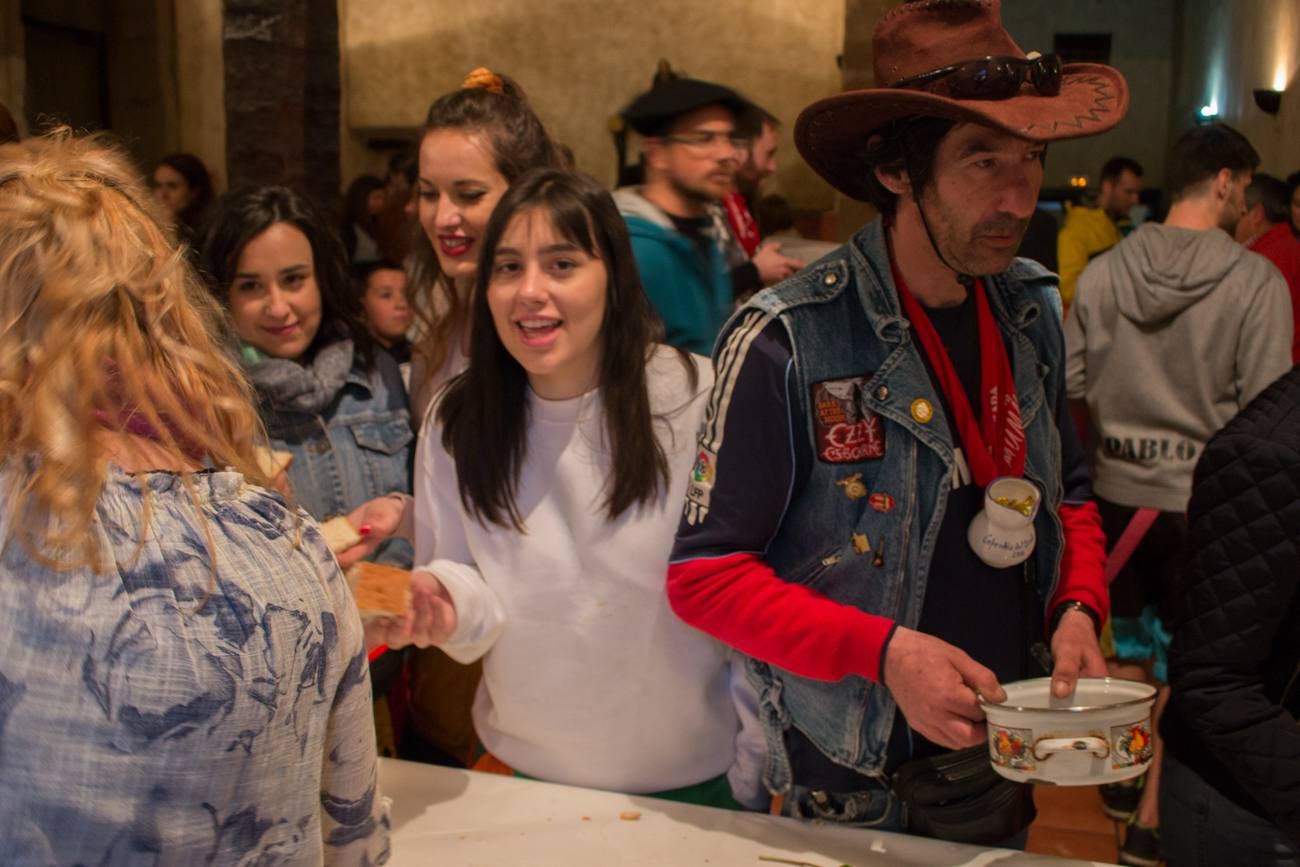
[(862, 411)]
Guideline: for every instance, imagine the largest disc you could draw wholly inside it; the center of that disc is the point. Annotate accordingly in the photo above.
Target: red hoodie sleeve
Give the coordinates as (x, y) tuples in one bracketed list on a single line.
[(741, 601), (1083, 560), (1083, 555)]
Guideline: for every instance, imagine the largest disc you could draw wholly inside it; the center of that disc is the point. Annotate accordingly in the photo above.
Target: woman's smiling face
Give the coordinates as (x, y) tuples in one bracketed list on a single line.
[(548, 297), (458, 187), (274, 300)]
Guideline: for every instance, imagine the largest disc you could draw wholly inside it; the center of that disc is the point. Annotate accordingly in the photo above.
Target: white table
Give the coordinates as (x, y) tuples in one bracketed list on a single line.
[(454, 818)]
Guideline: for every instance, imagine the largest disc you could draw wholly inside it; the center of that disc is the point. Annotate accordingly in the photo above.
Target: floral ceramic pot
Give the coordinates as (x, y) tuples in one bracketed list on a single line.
[(1002, 534), (1101, 734)]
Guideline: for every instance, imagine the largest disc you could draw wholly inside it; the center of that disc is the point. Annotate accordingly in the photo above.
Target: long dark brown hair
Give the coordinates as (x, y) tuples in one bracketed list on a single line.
[(519, 141), (199, 180), (484, 411), (243, 215)]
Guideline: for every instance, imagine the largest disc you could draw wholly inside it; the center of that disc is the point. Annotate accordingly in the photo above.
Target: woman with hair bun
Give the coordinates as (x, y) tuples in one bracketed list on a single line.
[(477, 140), (182, 668)]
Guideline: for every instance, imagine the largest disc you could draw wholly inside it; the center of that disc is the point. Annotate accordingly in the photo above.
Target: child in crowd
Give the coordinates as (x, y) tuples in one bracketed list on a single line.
[(181, 664), (477, 140), (550, 476), (385, 306)]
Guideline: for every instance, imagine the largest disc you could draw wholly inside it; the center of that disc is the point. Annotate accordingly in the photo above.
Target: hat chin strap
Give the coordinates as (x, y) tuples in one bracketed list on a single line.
[(966, 280)]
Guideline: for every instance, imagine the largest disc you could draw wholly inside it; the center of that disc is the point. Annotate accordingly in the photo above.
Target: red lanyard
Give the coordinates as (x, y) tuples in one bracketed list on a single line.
[(999, 421), (743, 225)]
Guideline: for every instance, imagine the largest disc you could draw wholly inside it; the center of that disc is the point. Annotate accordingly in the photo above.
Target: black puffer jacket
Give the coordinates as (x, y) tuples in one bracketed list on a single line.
[(1234, 666)]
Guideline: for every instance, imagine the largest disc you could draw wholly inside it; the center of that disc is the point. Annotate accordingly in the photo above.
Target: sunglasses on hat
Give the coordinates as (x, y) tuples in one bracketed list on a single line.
[(990, 77)]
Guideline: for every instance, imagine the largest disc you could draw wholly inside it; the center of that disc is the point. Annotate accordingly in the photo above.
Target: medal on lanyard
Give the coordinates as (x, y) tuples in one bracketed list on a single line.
[(1002, 534)]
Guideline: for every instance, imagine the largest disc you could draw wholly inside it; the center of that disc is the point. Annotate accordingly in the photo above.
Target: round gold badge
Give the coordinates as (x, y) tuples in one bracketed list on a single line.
[(922, 410)]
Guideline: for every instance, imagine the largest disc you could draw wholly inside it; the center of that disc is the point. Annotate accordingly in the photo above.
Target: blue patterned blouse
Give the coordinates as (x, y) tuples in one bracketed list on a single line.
[(170, 713)]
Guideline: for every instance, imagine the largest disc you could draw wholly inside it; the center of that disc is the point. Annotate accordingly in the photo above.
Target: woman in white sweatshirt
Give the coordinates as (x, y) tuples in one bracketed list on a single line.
[(548, 488)]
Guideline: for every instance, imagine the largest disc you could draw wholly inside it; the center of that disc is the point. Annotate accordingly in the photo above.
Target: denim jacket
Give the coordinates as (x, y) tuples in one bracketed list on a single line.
[(844, 320), (360, 446)]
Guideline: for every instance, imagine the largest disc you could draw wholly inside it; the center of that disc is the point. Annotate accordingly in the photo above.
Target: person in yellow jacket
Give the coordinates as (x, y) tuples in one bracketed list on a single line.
[(1088, 232)]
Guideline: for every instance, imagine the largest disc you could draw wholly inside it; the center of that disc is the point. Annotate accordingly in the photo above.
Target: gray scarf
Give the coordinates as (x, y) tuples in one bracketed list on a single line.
[(287, 385)]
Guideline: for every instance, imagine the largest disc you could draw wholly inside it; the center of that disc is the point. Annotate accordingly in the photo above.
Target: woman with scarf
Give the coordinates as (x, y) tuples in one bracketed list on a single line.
[(327, 393)]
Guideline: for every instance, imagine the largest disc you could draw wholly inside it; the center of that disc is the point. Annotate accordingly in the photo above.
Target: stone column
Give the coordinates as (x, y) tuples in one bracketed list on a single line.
[(13, 62), (282, 96)]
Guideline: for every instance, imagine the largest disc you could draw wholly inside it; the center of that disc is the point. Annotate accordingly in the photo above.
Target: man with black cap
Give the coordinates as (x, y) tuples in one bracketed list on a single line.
[(690, 148), (873, 413)]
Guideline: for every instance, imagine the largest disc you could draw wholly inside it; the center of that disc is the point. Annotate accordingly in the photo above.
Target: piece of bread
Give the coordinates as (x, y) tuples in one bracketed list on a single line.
[(380, 591), (272, 463), (339, 534)]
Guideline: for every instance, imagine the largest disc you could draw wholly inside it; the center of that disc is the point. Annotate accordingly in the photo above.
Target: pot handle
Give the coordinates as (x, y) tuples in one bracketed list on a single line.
[(1045, 748)]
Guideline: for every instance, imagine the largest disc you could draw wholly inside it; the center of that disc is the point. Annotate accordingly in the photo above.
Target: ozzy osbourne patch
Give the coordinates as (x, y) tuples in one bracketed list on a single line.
[(844, 430)]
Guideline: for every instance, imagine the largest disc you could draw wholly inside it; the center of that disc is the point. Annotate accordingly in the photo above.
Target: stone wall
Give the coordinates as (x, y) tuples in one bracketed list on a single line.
[(583, 60), (282, 95), (13, 65)]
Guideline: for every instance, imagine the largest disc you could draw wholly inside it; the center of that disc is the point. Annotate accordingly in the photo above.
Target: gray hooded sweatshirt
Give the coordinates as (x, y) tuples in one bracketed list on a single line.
[(1172, 332)]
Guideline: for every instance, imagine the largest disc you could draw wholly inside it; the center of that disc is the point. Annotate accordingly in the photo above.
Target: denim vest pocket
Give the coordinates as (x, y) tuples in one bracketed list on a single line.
[(384, 445), (386, 437), (831, 714)]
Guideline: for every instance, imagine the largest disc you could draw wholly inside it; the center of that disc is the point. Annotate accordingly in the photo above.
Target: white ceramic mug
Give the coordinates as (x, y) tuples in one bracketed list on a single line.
[(1000, 535)]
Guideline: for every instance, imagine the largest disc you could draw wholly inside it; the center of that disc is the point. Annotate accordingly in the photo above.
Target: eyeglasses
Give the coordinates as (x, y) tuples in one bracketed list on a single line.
[(991, 77), (706, 140)]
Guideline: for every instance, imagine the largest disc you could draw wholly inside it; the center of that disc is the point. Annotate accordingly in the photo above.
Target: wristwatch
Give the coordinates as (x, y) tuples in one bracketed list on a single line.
[(1073, 605)]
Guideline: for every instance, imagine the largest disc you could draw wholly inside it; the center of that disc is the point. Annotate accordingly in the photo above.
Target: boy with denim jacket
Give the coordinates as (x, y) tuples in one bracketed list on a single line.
[(860, 412)]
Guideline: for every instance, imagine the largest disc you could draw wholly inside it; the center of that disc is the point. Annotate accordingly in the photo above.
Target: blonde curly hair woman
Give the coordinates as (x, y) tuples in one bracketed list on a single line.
[(181, 666)]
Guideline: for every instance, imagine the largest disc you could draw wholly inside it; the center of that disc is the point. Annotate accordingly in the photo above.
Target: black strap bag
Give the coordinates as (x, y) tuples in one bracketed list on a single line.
[(960, 798)]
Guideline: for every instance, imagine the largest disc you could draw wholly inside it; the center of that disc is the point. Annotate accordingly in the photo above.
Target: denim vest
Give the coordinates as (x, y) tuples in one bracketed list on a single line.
[(844, 320), (361, 447)]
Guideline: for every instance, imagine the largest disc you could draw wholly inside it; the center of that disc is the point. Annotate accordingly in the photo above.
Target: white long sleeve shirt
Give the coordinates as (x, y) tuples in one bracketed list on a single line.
[(588, 677)]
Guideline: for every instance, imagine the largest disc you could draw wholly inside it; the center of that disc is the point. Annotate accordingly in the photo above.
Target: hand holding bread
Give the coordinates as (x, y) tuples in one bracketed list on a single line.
[(379, 590), (429, 621), (275, 466), (381, 519)]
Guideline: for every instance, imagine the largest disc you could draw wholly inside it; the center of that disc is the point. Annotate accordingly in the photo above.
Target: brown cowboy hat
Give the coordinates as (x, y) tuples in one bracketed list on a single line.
[(926, 36)]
